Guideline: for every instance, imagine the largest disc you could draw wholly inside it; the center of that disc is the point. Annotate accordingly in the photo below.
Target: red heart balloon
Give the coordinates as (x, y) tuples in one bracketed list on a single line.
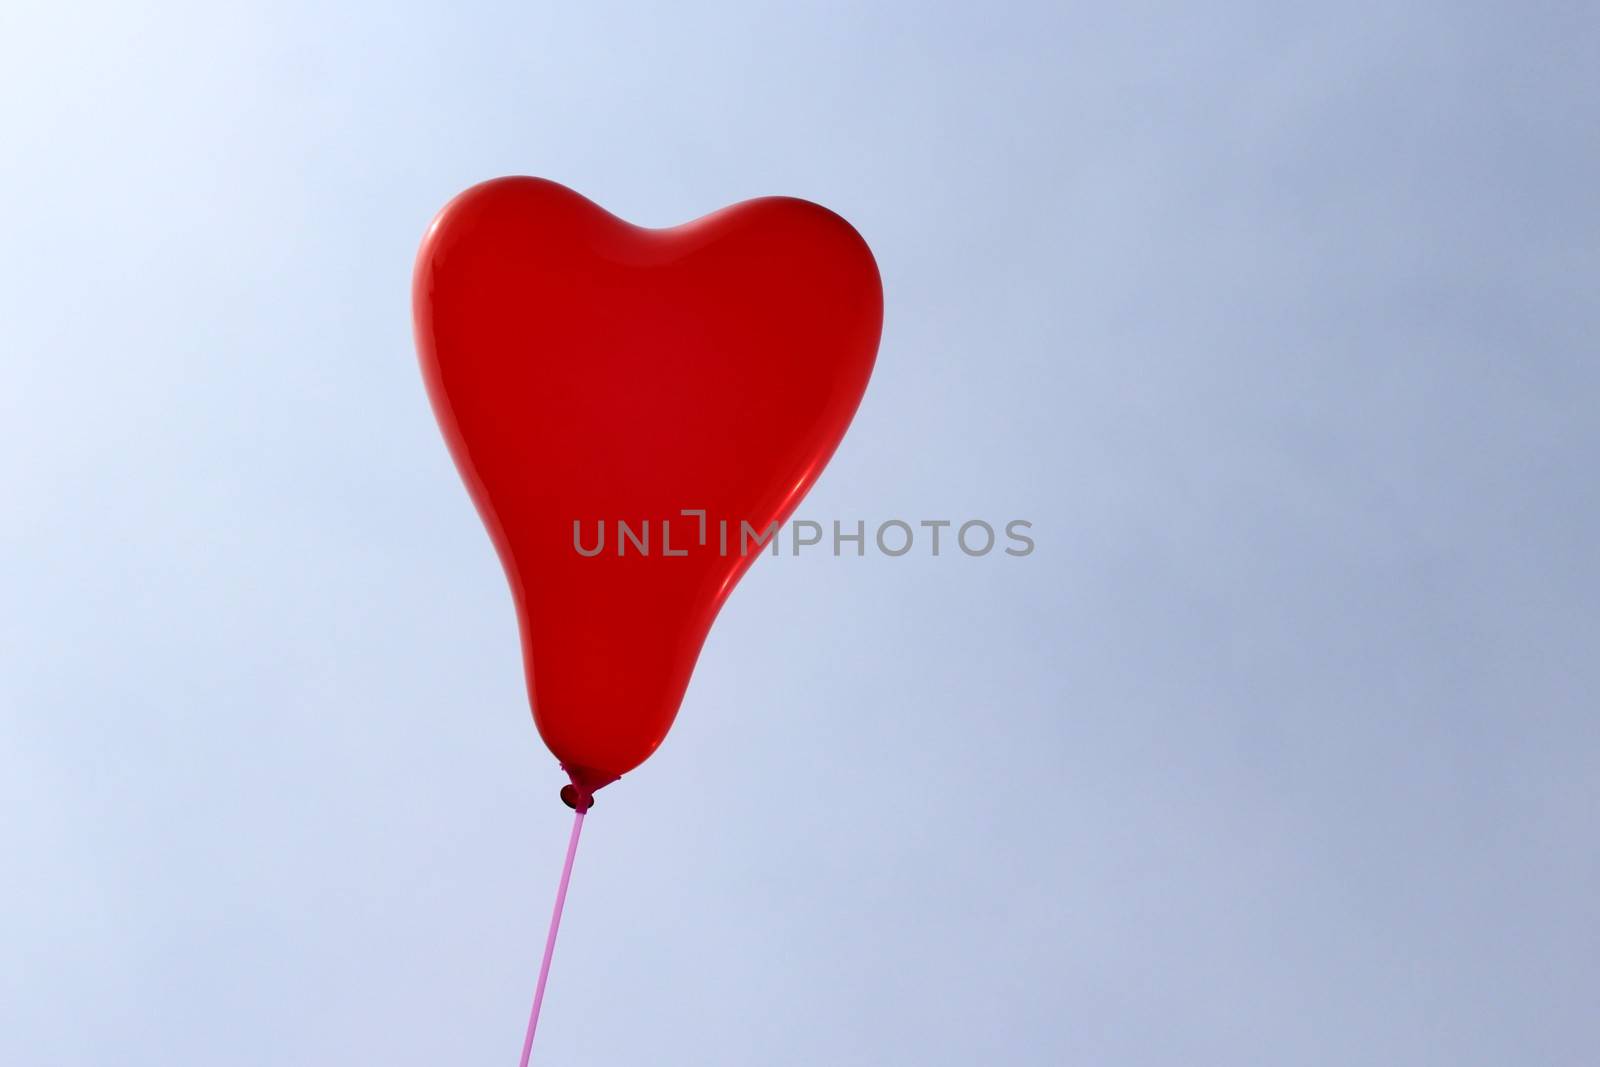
[(588, 371)]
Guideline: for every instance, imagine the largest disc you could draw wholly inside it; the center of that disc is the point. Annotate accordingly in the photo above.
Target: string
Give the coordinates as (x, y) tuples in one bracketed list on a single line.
[(550, 939)]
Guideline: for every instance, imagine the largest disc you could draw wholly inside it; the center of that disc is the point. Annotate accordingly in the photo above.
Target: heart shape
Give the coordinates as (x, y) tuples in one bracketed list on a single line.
[(587, 371)]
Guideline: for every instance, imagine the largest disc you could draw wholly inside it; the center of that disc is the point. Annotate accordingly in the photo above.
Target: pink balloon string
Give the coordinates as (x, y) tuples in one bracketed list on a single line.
[(550, 938)]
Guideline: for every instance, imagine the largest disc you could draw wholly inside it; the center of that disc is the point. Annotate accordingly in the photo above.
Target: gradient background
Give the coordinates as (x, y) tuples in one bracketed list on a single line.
[(1278, 321)]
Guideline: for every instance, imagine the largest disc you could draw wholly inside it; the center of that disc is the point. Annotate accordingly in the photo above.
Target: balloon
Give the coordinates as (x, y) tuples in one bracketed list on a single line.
[(598, 379)]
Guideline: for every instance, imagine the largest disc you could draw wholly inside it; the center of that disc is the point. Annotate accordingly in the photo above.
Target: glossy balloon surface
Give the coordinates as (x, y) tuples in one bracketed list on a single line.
[(587, 370)]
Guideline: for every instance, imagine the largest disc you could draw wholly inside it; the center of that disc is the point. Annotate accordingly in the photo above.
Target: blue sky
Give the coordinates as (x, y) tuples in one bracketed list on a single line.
[(1277, 321)]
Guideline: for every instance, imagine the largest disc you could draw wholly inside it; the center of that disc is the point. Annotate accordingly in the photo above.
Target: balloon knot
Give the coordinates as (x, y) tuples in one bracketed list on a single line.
[(579, 796)]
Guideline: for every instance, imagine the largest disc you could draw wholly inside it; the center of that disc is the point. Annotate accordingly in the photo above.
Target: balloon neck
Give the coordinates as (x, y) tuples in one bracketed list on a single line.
[(579, 796)]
